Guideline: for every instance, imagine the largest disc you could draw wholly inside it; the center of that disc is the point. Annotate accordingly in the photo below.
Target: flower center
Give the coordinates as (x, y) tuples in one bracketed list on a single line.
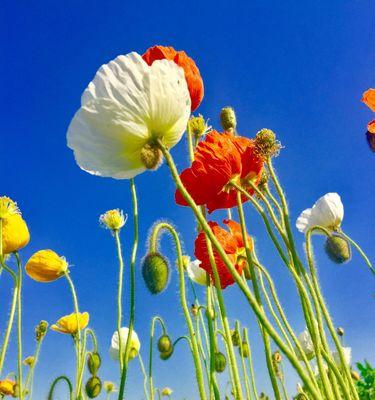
[(151, 155)]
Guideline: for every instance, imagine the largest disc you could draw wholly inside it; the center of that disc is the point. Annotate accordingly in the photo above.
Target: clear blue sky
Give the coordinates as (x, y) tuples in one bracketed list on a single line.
[(296, 67)]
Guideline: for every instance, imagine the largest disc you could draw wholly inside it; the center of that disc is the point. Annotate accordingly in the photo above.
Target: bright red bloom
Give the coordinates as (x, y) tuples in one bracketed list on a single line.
[(219, 159), (192, 74), (233, 246), (368, 98)]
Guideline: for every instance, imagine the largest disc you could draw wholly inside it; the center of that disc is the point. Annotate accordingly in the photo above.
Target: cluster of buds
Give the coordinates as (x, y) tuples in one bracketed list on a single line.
[(93, 385), (41, 330), (165, 347)]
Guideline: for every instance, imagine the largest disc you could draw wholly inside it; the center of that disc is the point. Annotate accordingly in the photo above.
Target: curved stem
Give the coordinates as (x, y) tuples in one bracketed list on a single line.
[(132, 288), (144, 376), (56, 381)]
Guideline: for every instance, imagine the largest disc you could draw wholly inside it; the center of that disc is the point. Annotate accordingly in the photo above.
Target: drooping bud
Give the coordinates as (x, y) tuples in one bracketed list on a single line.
[(155, 272), (197, 126), (93, 387), (151, 156), (167, 354), (235, 337), (194, 310), (338, 249), (29, 361), (165, 344), (370, 135), (113, 219), (266, 144), (340, 331), (93, 362), (41, 330), (228, 119), (244, 350), (220, 362)]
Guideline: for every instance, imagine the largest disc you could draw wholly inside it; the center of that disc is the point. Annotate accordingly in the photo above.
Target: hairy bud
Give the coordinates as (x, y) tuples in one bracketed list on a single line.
[(220, 362), (338, 249), (228, 119), (93, 362), (155, 272)]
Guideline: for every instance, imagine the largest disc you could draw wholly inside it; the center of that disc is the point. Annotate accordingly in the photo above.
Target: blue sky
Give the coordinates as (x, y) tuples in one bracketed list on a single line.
[(298, 68)]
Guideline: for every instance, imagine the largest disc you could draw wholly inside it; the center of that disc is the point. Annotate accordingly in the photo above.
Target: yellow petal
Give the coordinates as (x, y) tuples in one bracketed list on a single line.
[(46, 266), (15, 234)]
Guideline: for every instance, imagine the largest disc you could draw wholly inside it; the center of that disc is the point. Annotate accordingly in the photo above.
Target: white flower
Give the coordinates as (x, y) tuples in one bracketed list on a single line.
[(196, 273), (347, 356), (135, 344), (328, 212), (306, 343), (124, 110)]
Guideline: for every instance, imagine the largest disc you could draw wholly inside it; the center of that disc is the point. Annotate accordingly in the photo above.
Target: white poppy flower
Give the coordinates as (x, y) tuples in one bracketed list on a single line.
[(196, 273), (347, 355), (328, 212), (307, 344), (124, 110), (135, 344)]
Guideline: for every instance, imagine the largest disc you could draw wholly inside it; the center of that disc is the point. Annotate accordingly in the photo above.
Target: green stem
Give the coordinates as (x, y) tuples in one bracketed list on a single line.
[(250, 298), (56, 381), (19, 327), (244, 371), (132, 288), (360, 251), (251, 367), (144, 376), (30, 374)]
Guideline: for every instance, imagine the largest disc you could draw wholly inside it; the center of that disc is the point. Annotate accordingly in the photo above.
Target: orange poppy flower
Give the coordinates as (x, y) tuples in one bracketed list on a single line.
[(192, 74), (370, 134), (219, 159), (233, 246), (368, 98)]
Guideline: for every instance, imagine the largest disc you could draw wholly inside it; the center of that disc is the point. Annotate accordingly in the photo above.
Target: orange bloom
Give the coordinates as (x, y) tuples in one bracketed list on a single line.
[(219, 159), (371, 127), (368, 98), (192, 74), (233, 246), (370, 135)]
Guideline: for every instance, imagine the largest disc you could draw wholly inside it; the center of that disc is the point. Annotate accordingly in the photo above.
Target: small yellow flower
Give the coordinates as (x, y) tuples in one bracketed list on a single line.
[(113, 219), (8, 207), (7, 387), (15, 234), (29, 361), (46, 266), (68, 323), (166, 391)]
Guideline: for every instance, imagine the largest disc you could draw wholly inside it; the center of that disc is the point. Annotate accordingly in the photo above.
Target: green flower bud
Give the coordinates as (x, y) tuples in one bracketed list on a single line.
[(220, 362), (93, 387), (266, 144), (166, 354), (245, 352), (338, 249), (93, 362), (155, 272), (228, 119), (340, 331), (235, 337), (164, 344)]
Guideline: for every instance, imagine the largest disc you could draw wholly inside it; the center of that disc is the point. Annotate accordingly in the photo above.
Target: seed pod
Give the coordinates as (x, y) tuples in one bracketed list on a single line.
[(93, 362), (228, 119), (245, 352), (235, 338), (155, 272), (164, 344), (220, 362), (338, 249), (93, 387)]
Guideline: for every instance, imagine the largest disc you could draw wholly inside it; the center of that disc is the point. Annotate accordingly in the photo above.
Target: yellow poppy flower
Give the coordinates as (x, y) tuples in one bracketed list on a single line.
[(7, 387), (68, 323), (8, 207), (15, 234), (46, 266)]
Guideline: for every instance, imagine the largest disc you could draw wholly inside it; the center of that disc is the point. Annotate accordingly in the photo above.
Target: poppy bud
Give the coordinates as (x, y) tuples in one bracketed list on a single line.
[(355, 375), (151, 156), (266, 143), (93, 362), (194, 310), (164, 344), (155, 272), (220, 362), (167, 354), (93, 387), (41, 330), (340, 331), (245, 352), (338, 249), (235, 338), (228, 119), (197, 126)]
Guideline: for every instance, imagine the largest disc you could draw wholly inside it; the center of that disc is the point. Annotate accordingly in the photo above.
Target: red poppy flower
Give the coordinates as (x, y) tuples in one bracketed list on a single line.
[(233, 246), (219, 159), (192, 74), (368, 98)]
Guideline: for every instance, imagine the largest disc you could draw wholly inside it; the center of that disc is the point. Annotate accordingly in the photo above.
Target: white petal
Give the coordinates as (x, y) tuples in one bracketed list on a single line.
[(303, 221), (347, 356), (196, 273), (114, 349), (107, 139)]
